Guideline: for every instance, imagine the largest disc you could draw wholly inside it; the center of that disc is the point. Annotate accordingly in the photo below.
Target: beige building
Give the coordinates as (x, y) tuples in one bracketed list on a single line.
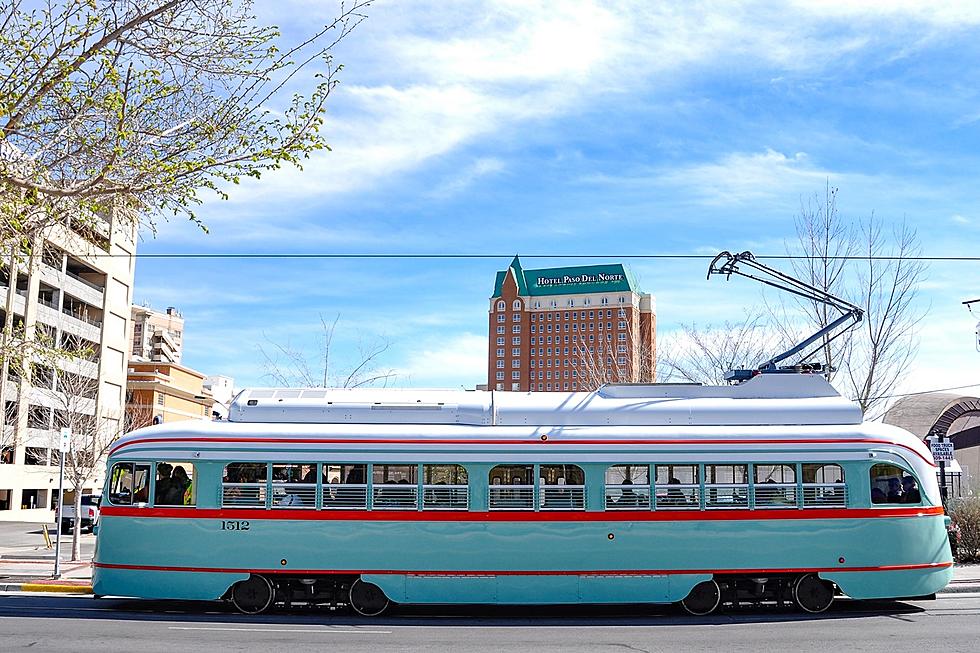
[(156, 336), (75, 297), (165, 392)]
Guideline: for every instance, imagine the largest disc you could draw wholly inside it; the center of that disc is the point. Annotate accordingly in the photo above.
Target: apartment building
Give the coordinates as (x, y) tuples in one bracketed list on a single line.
[(156, 335), (569, 329), (74, 291), (165, 392)]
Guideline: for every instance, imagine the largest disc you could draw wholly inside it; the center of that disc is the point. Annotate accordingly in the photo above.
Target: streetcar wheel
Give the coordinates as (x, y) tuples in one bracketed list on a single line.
[(367, 599), (252, 596), (704, 598), (813, 594)]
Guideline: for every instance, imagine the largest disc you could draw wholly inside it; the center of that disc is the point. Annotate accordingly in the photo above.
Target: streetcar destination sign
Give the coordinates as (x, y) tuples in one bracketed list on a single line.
[(941, 451)]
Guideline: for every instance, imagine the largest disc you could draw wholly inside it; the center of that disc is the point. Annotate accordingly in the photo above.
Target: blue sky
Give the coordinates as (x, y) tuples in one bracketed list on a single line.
[(586, 128)]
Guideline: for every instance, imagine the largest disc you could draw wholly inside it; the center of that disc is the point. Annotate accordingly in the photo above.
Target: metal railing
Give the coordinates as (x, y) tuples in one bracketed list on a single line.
[(824, 495), (726, 495), (627, 497), (394, 497), (561, 497), (243, 495), (93, 286), (344, 496), (677, 496), (293, 495), (511, 497), (445, 497), (80, 316), (775, 495)]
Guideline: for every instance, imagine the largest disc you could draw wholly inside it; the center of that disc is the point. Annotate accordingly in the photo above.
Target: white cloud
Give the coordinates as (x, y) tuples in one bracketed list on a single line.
[(457, 361), (466, 177)]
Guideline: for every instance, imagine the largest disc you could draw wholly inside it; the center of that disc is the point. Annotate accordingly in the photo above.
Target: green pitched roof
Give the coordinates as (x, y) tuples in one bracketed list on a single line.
[(579, 279)]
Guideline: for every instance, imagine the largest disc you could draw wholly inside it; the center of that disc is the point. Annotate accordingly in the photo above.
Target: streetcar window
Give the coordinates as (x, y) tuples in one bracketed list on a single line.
[(892, 484), (823, 486), (726, 486), (775, 486), (129, 484), (394, 487), (512, 487), (174, 484), (244, 485), (294, 485), (344, 486), (562, 487), (627, 487), (677, 487), (445, 487)]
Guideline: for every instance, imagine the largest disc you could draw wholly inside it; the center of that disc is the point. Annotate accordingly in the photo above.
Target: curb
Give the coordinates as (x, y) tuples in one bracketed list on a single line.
[(46, 587)]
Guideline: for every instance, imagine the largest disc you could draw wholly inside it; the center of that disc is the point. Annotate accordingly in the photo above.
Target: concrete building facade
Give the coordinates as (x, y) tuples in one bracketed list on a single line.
[(569, 329), (67, 293), (157, 335)]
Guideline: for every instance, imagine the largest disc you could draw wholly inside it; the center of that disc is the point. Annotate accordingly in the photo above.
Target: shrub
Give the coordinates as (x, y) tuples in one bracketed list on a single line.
[(965, 528)]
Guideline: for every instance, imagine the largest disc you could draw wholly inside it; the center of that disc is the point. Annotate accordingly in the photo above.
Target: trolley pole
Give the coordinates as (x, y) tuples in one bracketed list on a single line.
[(63, 448)]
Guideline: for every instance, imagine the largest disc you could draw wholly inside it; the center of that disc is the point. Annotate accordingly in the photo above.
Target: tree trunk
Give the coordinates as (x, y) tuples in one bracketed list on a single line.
[(76, 545)]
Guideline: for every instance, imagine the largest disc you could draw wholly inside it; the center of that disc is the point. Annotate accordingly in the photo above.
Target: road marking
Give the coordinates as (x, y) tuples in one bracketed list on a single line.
[(285, 630)]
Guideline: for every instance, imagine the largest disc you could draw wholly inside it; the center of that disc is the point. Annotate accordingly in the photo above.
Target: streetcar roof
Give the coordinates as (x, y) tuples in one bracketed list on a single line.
[(767, 399)]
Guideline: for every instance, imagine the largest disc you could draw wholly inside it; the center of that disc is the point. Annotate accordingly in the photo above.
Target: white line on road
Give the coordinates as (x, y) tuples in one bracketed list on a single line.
[(287, 630)]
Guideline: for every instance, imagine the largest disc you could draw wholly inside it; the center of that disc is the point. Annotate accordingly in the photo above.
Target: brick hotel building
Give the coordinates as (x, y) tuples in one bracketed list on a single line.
[(569, 329)]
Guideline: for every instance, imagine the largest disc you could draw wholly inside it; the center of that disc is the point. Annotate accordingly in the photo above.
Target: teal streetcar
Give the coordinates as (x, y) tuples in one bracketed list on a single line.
[(770, 490)]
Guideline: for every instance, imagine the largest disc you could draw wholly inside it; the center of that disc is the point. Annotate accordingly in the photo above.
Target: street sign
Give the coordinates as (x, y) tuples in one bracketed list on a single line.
[(941, 451), (64, 446)]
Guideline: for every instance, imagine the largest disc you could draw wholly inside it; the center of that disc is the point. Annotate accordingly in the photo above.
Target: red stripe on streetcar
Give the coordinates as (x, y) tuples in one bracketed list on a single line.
[(518, 516), (534, 572), (471, 441)]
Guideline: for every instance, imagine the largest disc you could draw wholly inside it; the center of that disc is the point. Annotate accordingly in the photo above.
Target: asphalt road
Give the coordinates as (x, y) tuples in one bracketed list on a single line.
[(49, 623)]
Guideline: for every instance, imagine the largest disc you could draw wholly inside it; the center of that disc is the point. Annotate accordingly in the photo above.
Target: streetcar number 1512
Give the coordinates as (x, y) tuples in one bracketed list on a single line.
[(233, 525)]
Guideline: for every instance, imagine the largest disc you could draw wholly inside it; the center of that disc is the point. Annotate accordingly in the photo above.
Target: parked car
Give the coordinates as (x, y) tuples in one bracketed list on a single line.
[(90, 513)]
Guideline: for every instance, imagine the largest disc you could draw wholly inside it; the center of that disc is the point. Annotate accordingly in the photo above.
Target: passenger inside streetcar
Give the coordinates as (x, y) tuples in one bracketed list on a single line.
[(910, 493)]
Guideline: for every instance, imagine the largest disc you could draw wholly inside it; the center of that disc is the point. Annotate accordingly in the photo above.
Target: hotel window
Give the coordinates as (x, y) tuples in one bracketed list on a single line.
[(604, 301), (566, 315), (600, 326), (608, 337), (516, 340), (516, 317), (609, 325), (500, 386), (566, 340), (534, 328), (621, 349), (501, 317), (566, 363), (571, 302), (501, 306), (515, 386), (574, 385), (591, 338), (566, 385), (574, 374), (549, 316), (549, 374), (548, 360), (591, 326), (608, 312), (501, 329), (591, 315), (517, 304), (500, 352), (516, 328), (622, 337), (574, 326), (622, 312), (540, 374), (549, 340), (622, 300), (622, 324), (500, 376), (549, 328), (533, 341), (500, 364), (515, 363), (500, 341), (554, 304), (621, 360), (533, 361), (549, 351), (587, 301), (549, 387), (516, 374), (565, 351), (566, 376), (516, 351)]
